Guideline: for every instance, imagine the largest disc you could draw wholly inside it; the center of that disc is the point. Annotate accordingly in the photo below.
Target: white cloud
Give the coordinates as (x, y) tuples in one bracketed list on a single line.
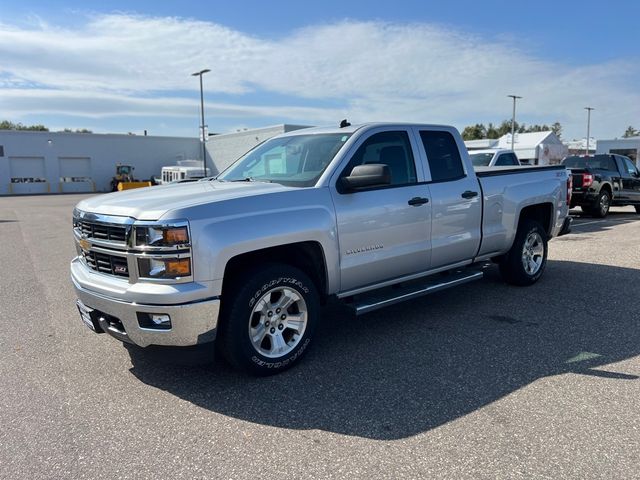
[(106, 104), (132, 65)]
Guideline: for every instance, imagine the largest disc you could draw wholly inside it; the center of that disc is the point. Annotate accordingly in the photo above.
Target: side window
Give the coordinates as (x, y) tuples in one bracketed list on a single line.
[(504, 160), (630, 167), (507, 160), (389, 148), (443, 155)]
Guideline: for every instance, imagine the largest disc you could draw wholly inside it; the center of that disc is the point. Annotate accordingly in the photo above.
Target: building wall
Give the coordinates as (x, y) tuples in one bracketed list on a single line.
[(226, 148), (629, 147), (51, 162)]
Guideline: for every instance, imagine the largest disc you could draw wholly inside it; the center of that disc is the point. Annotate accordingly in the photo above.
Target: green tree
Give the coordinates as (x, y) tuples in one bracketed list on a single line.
[(630, 132), (474, 132), (492, 131), (557, 129), (8, 125)]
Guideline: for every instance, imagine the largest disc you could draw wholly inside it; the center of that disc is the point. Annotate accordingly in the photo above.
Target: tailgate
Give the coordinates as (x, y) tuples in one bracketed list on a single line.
[(578, 176)]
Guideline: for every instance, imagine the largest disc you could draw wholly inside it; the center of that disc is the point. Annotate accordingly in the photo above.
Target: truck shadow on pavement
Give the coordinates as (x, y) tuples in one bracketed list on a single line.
[(410, 368), (583, 223)]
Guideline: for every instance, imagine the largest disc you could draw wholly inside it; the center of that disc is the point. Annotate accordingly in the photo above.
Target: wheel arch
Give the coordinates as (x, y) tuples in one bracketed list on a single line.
[(541, 213), (307, 256), (607, 186)]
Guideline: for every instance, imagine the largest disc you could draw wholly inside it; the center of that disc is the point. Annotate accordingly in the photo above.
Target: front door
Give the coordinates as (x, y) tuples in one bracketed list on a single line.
[(630, 179), (383, 232)]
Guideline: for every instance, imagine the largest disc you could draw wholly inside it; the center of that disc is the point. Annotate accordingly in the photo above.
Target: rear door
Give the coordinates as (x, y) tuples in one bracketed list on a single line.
[(630, 179), (383, 232), (456, 210)]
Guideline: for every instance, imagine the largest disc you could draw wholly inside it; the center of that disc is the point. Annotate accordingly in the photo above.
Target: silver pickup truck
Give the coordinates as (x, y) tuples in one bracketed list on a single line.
[(367, 214)]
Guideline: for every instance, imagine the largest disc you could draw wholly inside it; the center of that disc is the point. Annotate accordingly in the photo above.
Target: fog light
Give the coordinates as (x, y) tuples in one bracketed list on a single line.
[(154, 321), (160, 319)]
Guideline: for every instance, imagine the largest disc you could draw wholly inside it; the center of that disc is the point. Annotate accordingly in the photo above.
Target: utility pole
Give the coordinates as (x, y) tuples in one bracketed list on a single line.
[(513, 119), (202, 125), (588, 109)]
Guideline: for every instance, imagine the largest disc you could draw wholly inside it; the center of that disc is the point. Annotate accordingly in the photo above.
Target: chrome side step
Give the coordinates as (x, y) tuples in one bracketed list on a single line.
[(375, 300)]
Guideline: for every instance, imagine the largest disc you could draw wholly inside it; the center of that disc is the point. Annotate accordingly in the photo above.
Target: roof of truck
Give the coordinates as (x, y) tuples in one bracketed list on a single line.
[(353, 128)]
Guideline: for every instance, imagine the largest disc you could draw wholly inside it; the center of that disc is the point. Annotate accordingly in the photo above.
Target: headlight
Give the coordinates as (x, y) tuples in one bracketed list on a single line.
[(164, 268), (162, 236), (163, 251)]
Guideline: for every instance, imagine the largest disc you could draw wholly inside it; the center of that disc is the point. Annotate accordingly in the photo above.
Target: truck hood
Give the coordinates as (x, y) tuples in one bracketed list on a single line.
[(151, 203)]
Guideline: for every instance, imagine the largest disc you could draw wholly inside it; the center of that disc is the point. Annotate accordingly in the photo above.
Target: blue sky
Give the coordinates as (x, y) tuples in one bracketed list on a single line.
[(126, 67)]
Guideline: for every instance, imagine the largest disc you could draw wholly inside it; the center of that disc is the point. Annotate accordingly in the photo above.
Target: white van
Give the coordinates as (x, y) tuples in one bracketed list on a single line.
[(185, 170)]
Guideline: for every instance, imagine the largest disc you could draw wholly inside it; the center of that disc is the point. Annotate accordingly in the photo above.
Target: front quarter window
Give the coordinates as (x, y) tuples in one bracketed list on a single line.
[(297, 160)]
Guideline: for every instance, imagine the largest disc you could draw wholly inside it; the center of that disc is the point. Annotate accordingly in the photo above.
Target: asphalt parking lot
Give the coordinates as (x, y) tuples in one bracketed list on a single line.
[(485, 381)]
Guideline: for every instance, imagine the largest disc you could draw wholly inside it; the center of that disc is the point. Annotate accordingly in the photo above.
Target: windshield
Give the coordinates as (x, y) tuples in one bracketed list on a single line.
[(481, 159), (597, 162), (296, 161)]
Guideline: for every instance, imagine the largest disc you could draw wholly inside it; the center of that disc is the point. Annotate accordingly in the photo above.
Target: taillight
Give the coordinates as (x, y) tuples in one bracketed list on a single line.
[(587, 179), (569, 188)]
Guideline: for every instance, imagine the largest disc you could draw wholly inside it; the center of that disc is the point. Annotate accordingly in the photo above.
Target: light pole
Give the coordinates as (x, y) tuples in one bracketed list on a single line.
[(513, 119), (202, 125), (588, 109)]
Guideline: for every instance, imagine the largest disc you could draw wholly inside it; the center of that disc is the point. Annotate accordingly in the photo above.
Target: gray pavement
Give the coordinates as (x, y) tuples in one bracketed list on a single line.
[(486, 381)]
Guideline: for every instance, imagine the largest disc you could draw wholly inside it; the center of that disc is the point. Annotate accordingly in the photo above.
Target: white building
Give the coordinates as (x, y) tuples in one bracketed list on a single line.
[(579, 147), (629, 147), (57, 162), (482, 144), (536, 148), (226, 148)]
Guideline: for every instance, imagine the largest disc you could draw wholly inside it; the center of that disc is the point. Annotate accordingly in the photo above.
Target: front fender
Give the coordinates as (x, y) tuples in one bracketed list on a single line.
[(248, 224)]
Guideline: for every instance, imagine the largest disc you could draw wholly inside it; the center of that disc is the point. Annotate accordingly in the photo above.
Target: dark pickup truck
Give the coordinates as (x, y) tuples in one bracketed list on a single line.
[(602, 181)]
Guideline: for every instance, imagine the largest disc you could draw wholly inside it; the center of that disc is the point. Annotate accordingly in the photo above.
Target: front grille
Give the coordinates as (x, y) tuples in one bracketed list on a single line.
[(105, 263), (101, 231)]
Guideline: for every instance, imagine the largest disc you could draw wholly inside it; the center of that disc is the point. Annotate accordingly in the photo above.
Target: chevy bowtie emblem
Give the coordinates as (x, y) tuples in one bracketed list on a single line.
[(85, 244)]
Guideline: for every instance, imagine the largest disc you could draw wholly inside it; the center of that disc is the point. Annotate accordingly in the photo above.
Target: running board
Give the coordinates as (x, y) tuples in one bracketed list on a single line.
[(379, 299)]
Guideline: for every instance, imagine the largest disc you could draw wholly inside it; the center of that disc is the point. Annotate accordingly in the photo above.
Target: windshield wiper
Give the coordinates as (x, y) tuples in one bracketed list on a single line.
[(250, 179)]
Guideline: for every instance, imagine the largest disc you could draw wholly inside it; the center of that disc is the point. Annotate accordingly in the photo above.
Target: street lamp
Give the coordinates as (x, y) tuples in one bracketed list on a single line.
[(513, 119), (202, 125), (588, 109)]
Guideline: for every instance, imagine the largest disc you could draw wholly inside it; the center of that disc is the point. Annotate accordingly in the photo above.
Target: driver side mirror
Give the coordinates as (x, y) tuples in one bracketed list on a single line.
[(368, 175)]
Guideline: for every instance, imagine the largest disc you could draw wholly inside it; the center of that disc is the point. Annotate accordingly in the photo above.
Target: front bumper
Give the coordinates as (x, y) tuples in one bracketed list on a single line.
[(192, 323)]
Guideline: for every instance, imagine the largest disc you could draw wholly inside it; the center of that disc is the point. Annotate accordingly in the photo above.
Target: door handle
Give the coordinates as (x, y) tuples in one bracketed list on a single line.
[(416, 201), (469, 194)]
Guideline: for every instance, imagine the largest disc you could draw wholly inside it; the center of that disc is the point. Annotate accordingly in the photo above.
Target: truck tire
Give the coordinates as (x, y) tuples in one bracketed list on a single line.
[(526, 260), (267, 322), (601, 207)]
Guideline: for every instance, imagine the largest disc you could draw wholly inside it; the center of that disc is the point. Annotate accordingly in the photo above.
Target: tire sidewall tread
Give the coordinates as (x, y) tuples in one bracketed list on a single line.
[(233, 338), (511, 267)]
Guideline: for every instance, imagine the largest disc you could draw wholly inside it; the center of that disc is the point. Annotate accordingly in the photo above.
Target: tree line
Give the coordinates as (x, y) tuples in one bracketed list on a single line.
[(8, 125), (479, 131), (631, 132)]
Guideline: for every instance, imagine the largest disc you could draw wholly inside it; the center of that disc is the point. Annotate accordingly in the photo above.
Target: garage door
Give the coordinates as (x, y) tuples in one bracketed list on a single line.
[(27, 175), (27, 169), (75, 169), (75, 174)]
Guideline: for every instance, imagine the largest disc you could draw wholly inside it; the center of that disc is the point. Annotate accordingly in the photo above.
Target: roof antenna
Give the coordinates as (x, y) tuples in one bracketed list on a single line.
[(344, 123)]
